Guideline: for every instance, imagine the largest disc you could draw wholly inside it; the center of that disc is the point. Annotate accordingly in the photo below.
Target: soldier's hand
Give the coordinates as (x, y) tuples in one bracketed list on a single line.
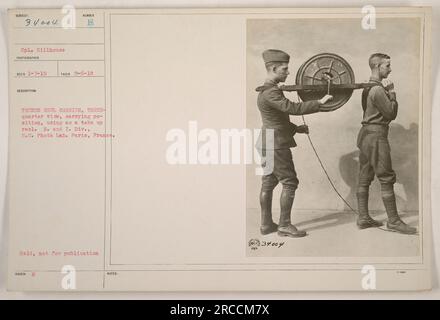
[(388, 84), (302, 129), (326, 98)]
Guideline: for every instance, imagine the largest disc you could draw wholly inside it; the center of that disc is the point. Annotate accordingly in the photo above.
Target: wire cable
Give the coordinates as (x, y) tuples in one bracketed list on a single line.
[(325, 171)]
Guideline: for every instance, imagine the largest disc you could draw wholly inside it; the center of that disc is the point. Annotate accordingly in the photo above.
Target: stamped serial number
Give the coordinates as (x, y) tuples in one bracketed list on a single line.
[(256, 243)]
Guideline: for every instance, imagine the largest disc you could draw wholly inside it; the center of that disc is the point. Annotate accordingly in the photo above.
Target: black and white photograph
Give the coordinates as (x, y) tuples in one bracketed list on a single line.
[(343, 105)]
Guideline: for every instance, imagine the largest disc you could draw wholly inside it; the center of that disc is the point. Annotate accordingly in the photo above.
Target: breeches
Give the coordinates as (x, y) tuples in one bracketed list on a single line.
[(283, 171), (375, 156)]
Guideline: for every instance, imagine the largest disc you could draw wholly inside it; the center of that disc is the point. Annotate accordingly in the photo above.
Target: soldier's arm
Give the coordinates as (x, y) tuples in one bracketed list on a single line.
[(276, 99), (386, 104), (293, 127)]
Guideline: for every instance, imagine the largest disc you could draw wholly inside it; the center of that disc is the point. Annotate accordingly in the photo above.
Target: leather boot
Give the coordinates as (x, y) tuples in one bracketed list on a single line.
[(364, 220), (394, 222), (285, 228), (267, 224)]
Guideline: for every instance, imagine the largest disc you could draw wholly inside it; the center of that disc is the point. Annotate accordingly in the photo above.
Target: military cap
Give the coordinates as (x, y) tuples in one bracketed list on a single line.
[(273, 55)]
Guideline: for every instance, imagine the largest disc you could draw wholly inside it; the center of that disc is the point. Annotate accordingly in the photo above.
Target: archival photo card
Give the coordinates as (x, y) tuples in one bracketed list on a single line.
[(277, 149)]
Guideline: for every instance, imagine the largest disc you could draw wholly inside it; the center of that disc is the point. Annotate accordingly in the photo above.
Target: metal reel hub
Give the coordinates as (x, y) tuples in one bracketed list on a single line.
[(326, 69)]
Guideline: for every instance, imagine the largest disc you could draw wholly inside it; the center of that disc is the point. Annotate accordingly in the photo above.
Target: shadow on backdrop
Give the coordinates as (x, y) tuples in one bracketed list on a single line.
[(404, 154)]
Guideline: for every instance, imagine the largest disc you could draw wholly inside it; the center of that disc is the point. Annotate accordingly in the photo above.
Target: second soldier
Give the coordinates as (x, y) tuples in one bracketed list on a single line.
[(275, 109)]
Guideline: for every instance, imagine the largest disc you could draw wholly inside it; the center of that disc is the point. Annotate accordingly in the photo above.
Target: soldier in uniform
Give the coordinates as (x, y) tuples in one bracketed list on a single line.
[(380, 108), (275, 109)]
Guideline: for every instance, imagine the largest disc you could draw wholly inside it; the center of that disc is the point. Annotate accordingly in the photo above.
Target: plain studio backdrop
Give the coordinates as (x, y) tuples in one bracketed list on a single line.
[(334, 133)]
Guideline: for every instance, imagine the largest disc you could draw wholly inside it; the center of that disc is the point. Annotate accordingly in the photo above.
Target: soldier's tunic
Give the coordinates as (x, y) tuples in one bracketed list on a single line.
[(380, 108), (275, 109)]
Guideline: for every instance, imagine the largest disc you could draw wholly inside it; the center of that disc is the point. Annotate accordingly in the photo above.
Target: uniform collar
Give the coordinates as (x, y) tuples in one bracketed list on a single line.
[(267, 84), (376, 80), (270, 83)]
